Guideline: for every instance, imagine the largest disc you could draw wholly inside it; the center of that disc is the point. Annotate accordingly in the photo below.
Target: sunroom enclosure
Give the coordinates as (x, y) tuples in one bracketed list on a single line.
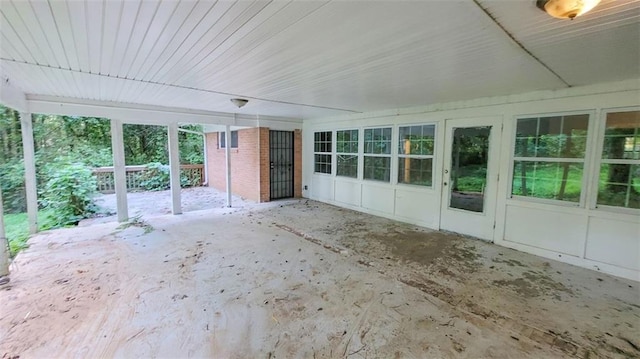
[(554, 173)]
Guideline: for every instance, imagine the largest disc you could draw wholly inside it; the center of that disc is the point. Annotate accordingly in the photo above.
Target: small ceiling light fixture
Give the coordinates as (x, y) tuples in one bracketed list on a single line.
[(239, 102), (566, 9)]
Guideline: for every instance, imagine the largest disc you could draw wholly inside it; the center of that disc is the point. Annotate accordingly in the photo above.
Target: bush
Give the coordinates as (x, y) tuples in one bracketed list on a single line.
[(69, 193), (155, 177)]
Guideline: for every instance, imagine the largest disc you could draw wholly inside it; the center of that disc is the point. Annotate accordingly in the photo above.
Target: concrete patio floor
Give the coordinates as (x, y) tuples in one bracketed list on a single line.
[(302, 279)]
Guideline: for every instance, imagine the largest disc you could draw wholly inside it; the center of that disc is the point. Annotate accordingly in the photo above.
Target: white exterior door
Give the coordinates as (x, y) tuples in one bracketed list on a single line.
[(470, 176)]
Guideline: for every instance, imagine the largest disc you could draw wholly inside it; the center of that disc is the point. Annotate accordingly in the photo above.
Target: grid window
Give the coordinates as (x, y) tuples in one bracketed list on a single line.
[(322, 152), (619, 179), (222, 139), (415, 154), (347, 153), (377, 154), (549, 157)]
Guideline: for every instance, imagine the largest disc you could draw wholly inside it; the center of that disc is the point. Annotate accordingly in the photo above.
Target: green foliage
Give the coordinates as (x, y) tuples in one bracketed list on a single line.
[(547, 180), (191, 145), (155, 177), (12, 185), (17, 229), (471, 178), (69, 193)]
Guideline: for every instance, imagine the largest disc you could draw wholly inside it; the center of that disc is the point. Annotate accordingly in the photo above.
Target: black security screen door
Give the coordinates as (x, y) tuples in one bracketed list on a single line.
[(281, 157)]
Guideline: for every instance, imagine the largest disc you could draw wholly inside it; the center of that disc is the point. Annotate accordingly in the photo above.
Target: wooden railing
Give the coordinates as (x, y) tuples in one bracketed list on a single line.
[(106, 182)]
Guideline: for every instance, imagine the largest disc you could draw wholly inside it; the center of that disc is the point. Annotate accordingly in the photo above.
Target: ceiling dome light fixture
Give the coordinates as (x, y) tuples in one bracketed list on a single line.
[(566, 9), (239, 102)]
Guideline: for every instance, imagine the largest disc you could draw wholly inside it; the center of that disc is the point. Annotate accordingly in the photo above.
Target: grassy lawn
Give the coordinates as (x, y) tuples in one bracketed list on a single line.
[(17, 229)]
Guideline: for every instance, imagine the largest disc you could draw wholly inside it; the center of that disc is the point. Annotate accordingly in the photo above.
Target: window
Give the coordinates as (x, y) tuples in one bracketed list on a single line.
[(619, 183), (322, 152), (415, 154), (347, 153), (549, 157), (377, 154), (222, 139)]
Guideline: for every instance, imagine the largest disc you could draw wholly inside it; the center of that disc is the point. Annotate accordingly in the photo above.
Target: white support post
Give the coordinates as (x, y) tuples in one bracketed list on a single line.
[(174, 168), (206, 160), (227, 156), (119, 170), (4, 246), (30, 183)]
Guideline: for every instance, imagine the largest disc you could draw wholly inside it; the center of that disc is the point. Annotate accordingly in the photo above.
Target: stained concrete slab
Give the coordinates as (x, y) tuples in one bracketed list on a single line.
[(302, 279)]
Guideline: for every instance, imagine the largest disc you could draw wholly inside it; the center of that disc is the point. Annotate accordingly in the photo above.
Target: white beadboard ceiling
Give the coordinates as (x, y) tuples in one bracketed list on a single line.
[(308, 59)]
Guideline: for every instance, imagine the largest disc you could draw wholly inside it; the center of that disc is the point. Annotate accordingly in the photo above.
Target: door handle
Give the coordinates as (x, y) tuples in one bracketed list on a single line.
[(444, 183), (272, 165)]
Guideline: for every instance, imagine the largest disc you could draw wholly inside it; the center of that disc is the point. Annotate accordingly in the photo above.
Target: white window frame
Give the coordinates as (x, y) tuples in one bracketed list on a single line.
[(586, 161), (598, 161), (330, 153), (221, 137), (381, 155), (432, 156), (354, 154)]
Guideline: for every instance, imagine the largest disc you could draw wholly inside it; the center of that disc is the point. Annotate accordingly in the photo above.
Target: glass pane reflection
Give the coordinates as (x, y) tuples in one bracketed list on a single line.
[(469, 158)]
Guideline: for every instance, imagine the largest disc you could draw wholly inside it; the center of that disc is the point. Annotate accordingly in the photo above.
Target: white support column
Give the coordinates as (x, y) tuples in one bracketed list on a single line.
[(4, 246), (119, 170), (30, 183), (227, 156), (174, 168), (206, 159)]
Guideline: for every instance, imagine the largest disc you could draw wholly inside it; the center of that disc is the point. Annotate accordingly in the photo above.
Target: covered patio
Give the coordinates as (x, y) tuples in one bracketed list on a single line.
[(302, 279), (409, 126)]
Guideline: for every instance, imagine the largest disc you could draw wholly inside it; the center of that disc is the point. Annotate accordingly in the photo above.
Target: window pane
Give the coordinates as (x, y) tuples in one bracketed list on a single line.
[(322, 163), (417, 171), (553, 137), (622, 136), (416, 140), (551, 180), (222, 139), (347, 141), (347, 166), (377, 140), (469, 163), (377, 168), (234, 139), (619, 185), (322, 141)]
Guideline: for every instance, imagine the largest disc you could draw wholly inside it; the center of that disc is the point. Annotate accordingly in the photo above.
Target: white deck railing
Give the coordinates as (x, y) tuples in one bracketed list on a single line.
[(106, 182)]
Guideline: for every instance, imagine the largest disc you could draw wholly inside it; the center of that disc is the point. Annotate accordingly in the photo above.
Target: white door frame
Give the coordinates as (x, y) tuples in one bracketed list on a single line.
[(477, 224)]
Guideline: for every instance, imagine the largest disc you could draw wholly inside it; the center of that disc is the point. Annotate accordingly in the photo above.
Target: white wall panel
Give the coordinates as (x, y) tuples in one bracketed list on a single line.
[(547, 229), (322, 188), (378, 198), (422, 206), (614, 242), (347, 192)]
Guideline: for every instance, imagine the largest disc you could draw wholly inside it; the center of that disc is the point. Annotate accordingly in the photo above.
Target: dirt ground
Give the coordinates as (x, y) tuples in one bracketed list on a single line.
[(301, 279)]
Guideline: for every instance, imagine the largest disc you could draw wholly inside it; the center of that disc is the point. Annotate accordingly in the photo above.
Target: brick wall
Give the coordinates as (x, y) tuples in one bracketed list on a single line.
[(264, 165), (250, 165), (245, 160)]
